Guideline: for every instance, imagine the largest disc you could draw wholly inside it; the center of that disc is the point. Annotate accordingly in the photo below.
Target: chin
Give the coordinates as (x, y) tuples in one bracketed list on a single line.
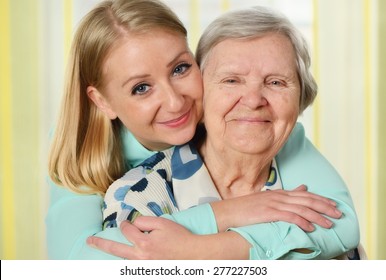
[(181, 139), (250, 147)]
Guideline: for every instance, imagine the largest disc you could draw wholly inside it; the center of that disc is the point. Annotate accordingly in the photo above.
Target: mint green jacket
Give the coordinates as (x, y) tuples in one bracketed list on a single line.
[(71, 217)]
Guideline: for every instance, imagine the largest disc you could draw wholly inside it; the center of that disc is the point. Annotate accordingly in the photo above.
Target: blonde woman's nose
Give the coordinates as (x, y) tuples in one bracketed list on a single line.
[(173, 99)]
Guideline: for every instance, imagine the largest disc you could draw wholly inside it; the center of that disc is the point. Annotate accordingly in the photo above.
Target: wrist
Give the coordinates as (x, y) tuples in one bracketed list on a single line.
[(225, 214)]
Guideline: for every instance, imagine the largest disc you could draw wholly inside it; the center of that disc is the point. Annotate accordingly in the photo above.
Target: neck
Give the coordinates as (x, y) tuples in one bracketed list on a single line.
[(235, 174)]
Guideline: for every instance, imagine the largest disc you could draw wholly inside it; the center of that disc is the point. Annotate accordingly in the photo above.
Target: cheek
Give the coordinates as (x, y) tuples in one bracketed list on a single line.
[(136, 113), (209, 103), (195, 90), (286, 107), (220, 101), (293, 111), (216, 111)]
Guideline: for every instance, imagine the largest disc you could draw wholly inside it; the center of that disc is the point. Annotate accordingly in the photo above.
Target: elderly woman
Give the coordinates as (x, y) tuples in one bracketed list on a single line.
[(255, 68)]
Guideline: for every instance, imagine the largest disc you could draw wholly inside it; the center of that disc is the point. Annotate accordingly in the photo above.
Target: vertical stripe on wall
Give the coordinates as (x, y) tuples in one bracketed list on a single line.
[(26, 129), (225, 5), (316, 72), (381, 191), (68, 15), (6, 164), (195, 28), (369, 159)]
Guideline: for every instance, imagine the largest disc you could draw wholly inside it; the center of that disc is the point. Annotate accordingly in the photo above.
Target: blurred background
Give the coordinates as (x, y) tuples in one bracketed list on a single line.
[(346, 122)]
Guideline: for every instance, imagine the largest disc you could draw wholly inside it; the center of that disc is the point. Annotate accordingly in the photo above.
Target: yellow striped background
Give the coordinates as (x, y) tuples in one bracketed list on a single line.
[(372, 218), (21, 168), (369, 159), (316, 73), (6, 165), (68, 15)]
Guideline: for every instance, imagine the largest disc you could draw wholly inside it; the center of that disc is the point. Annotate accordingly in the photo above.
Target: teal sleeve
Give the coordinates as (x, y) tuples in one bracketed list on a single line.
[(199, 219), (71, 218), (300, 163)]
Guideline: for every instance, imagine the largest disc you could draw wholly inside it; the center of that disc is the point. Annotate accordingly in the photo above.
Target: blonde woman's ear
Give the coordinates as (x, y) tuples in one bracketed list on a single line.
[(101, 102)]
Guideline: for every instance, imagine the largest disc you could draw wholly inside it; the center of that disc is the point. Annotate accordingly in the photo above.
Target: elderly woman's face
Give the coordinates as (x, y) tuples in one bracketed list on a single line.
[(251, 94)]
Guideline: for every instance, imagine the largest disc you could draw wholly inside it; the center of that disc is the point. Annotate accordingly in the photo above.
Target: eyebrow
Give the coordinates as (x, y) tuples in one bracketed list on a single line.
[(134, 78), (229, 68), (173, 61)]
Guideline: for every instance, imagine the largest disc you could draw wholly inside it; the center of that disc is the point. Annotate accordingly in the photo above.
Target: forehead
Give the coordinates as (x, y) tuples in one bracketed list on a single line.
[(272, 49), (138, 43), (135, 51)]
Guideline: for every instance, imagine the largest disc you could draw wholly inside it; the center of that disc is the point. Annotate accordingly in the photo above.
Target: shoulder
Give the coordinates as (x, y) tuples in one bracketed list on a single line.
[(158, 163), (186, 161)]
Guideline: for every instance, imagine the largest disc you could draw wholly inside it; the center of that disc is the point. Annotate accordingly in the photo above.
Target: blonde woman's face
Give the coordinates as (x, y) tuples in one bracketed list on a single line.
[(252, 91), (154, 86)]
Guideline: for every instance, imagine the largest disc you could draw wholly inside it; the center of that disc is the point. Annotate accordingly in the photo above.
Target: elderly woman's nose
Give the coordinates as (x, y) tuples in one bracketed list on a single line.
[(254, 96)]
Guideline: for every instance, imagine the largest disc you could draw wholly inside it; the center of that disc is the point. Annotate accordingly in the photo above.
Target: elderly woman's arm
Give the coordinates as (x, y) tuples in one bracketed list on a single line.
[(300, 161)]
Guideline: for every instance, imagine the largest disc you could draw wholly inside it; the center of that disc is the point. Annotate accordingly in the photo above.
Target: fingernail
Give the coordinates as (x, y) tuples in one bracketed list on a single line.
[(339, 213), (328, 223), (89, 240)]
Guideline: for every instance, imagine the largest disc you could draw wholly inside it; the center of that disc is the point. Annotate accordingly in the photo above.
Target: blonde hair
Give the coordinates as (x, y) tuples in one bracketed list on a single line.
[(256, 22), (86, 154)]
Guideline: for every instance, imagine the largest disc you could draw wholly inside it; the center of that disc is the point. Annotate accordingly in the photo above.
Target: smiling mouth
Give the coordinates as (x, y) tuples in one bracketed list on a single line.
[(251, 120), (178, 121), (254, 121)]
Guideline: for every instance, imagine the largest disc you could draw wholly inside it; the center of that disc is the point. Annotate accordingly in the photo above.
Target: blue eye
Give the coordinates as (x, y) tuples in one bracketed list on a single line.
[(140, 89), (181, 69)]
